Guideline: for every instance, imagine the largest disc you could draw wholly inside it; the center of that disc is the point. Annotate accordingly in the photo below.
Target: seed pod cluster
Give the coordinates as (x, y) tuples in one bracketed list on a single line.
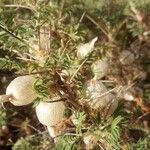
[(21, 92)]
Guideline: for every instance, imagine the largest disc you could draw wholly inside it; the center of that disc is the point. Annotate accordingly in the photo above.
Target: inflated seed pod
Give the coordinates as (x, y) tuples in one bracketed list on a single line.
[(50, 113), (84, 49), (99, 97), (126, 57), (20, 91), (100, 68)]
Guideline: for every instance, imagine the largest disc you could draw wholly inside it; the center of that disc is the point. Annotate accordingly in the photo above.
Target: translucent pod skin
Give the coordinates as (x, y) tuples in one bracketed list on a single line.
[(85, 49), (100, 68), (50, 114), (94, 90), (22, 91), (98, 98)]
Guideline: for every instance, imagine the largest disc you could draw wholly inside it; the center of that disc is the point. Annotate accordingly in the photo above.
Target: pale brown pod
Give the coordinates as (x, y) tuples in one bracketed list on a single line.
[(84, 49), (100, 98), (50, 114), (20, 91)]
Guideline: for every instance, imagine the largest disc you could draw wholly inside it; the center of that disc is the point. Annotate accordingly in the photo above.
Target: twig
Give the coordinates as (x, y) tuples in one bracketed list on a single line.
[(103, 94), (136, 12), (64, 49), (139, 118), (130, 86), (73, 134), (82, 17), (105, 31), (61, 9), (101, 145), (37, 72), (54, 101), (26, 59), (78, 70), (80, 20), (38, 131), (19, 6), (107, 81)]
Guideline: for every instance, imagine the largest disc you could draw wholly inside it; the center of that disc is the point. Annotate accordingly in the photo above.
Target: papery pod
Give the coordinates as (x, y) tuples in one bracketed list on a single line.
[(99, 97), (50, 113), (100, 68), (22, 90), (84, 49)]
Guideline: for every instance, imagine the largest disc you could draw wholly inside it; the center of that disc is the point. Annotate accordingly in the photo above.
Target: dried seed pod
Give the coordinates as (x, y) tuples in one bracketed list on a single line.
[(99, 97), (51, 113), (100, 68), (85, 49), (20, 91), (126, 57)]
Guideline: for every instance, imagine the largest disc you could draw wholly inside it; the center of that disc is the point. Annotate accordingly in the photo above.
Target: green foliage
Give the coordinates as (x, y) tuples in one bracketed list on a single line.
[(79, 119), (114, 132), (33, 142), (41, 88), (67, 142), (23, 144), (147, 95), (141, 144), (7, 63)]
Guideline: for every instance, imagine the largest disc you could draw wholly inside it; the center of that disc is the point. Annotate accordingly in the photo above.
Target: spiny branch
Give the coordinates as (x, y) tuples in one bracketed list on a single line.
[(16, 37)]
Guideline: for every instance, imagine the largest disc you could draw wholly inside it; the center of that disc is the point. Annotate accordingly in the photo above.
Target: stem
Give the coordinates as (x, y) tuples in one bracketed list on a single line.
[(5, 98), (101, 26), (54, 101), (77, 70), (19, 6)]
